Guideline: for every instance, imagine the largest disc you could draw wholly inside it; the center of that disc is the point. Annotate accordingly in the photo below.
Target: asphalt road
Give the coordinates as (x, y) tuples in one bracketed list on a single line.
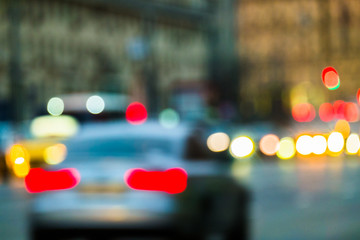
[(13, 212), (302, 200), (307, 200)]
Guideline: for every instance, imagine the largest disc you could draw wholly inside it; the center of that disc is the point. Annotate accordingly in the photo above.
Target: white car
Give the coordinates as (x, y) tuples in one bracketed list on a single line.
[(104, 206)]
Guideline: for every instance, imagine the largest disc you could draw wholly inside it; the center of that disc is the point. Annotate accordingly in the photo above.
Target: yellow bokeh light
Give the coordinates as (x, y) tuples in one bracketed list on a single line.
[(50, 126), (15, 153), (218, 142), (304, 145), (298, 94), (286, 148), (319, 144), (336, 142), (18, 159), (269, 144), (353, 144), (21, 170), (55, 154), (242, 147), (343, 127)]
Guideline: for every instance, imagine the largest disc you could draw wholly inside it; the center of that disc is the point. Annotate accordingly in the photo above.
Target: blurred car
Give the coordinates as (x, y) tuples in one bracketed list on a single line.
[(89, 107), (6, 139), (104, 205), (40, 143)]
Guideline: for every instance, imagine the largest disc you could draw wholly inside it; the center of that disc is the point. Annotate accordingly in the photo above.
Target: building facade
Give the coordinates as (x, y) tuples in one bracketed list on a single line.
[(284, 45), (112, 46)]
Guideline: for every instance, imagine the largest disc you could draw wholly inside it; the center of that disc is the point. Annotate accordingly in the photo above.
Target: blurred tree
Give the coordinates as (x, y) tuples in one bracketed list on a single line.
[(15, 74)]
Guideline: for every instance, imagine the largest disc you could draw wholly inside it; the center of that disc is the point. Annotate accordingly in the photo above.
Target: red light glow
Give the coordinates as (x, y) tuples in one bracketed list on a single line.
[(326, 112), (303, 112), (325, 71), (339, 109), (40, 180), (171, 181), (136, 113), (351, 112), (358, 96), (330, 78)]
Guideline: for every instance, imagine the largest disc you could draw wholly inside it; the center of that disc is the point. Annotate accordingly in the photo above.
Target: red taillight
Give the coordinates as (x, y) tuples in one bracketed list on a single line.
[(170, 181), (40, 180)]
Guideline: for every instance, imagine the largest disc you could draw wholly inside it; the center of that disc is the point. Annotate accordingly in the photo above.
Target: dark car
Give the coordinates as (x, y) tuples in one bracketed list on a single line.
[(6, 139), (104, 206)]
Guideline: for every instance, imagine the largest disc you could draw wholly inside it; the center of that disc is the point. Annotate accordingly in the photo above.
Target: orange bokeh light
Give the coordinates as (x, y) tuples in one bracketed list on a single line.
[(343, 127), (269, 144), (331, 79), (303, 112)]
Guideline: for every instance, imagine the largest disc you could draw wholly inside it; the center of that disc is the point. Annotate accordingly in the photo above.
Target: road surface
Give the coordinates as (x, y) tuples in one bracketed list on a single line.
[(291, 200)]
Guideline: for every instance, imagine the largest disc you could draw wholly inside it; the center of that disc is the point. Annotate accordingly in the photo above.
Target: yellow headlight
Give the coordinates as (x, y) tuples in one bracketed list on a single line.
[(17, 159), (55, 154)]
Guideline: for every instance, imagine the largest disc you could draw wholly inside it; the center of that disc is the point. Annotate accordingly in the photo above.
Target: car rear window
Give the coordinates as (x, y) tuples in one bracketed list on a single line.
[(124, 147)]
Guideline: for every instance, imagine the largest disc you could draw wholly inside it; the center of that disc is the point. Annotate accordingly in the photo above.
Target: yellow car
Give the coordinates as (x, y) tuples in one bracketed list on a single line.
[(45, 147)]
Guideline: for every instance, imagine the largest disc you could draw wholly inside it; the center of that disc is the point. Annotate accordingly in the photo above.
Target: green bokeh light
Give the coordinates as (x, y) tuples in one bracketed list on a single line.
[(335, 87), (169, 118)]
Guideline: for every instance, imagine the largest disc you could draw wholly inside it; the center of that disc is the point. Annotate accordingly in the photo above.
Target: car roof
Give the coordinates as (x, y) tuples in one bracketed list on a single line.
[(76, 102), (149, 129)]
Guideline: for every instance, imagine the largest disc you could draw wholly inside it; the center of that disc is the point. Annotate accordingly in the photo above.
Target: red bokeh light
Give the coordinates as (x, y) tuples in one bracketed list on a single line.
[(303, 112), (136, 113), (339, 109), (326, 112), (40, 180), (330, 78), (351, 112), (325, 71), (171, 181), (358, 96)]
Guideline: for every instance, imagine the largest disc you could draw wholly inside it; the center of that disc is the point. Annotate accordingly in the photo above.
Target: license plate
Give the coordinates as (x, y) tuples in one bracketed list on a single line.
[(102, 188)]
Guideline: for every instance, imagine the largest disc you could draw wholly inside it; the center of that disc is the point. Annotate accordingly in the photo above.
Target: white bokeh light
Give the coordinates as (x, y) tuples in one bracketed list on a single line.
[(19, 160), (218, 142), (319, 144), (95, 104), (242, 147), (352, 144), (304, 145), (336, 142), (55, 106)]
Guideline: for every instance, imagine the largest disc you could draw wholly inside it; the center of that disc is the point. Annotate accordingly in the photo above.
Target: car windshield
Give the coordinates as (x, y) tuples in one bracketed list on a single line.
[(117, 147)]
